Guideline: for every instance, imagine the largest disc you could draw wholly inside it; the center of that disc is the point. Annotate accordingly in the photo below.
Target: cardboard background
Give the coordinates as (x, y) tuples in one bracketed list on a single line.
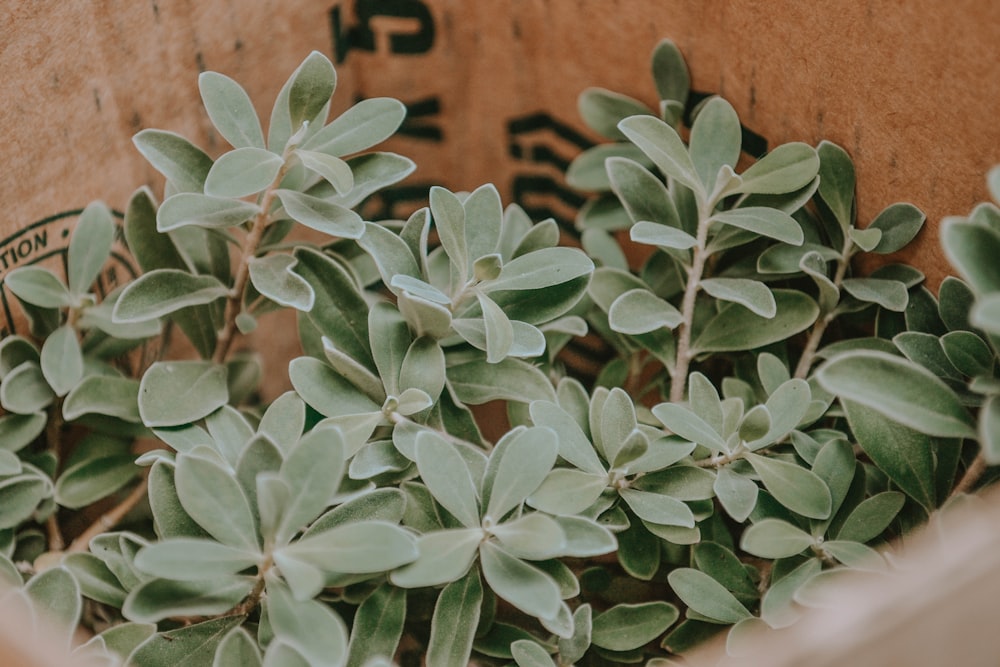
[(910, 89)]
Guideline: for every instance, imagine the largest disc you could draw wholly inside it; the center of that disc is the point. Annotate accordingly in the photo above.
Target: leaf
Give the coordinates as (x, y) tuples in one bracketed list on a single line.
[(88, 481), (523, 465), (61, 360), (669, 72), (688, 425), (312, 469), (153, 600), (89, 247), (765, 221), (336, 172), (715, 142), (273, 277), (173, 393), (499, 330), (230, 110), (566, 491), (310, 627), (322, 215), (377, 626), (836, 182), (795, 487), (284, 420), (24, 390), (96, 581), (190, 209), (477, 382), (423, 367), (639, 311), (448, 478), (970, 248), (374, 171), (213, 498), (445, 556), (532, 536), (574, 446), (899, 224), (643, 195), (602, 109), (483, 224), (56, 595), (737, 494), (903, 454), (890, 294), (164, 291), (968, 353), (866, 239), (652, 233), (926, 350), (778, 607), (20, 496), (871, 517), (453, 626), (38, 286), (572, 649), (585, 538), (527, 653), (664, 147), (989, 430), (774, 538), (169, 517), (899, 390), (358, 547), (237, 649), (735, 328), (449, 220), (630, 626), (785, 169), (525, 587), (657, 508), (185, 165), (190, 559), (243, 171), (706, 596), (365, 124), (752, 294), (787, 405), (19, 431), (311, 86)]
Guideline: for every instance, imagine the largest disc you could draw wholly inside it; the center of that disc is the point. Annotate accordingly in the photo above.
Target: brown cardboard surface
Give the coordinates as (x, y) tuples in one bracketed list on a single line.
[(911, 89)]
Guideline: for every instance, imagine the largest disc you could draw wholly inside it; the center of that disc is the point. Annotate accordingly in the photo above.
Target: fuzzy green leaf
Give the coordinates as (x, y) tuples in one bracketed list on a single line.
[(61, 360), (968, 353), (185, 165), (377, 626), (478, 382), (311, 86), (230, 110), (38, 286), (769, 222), (156, 599), (870, 518), (326, 391), (715, 142), (359, 547), (567, 491), (899, 223), (652, 233), (774, 538), (322, 215), (574, 446), (706, 596), (88, 481), (310, 627), (365, 124), (736, 493), (898, 389), (735, 328), (525, 587), (213, 498), (273, 277), (445, 556), (630, 626), (164, 291), (795, 487), (785, 169), (242, 172), (186, 208), (313, 470), (24, 390), (89, 247), (453, 626), (336, 172), (836, 182), (448, 477), (688, 425), (189, 559), (751, 294), (639, 311), (664, 147), (524, 463), (658, 508), (890, 294), (602, 110), (173, 393), (643, 195), (237, 649), (18, 431)]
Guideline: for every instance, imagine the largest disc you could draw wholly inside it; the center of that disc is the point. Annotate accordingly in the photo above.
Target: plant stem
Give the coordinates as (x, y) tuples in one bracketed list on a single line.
[(819, 328), (110, 519), (678, 379), (971, 476), (234, 302), (53, 438)]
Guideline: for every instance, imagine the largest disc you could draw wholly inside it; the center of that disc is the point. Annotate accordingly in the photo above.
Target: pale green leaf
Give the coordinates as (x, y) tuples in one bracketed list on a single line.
[(189, 559), (603, 109), (89, 247), (38, 286), (735, 328), (96, 581), (499, 330), (533, 536), (445, 556), (326, 391), (336, 172), (716, 137), (899, 224), (273, 277), (184, 164), (478, 382), (567, 491), (186, 208), (871, 517), (785, 169), (453, 625), (898, 389), (359, 547), (448, 477), (652, 233), (20, 496), (836, 182), (795, 487), (377, 626), (88, 481), (769, 222), (312, 470), (164, 291), (737, 494), (213, 498), (230, 110), (664, 147), (525, 587), (774, 538), (365, 124), (18, 431), (61, 360), (172, 393), (527, 653), (153, 600), (309, 626), (639, 311), (237, 649), (524, 464), (778, 608), (752, 294), (704, 595), (630, 626), (866, 239), (24, 390), (688, 425), (574, 446), (658, 508), (243, 171), (890, 294), (322, 215), (643, 195)]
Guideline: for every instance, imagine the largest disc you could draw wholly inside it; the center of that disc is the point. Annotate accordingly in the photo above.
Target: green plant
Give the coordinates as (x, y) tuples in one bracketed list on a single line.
[(710, 472)]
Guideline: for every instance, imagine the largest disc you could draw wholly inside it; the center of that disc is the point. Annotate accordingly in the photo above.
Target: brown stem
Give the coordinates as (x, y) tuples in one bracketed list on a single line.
[(110, 519), (816, 334), (234, 302), (971, 476), (678, 379)]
